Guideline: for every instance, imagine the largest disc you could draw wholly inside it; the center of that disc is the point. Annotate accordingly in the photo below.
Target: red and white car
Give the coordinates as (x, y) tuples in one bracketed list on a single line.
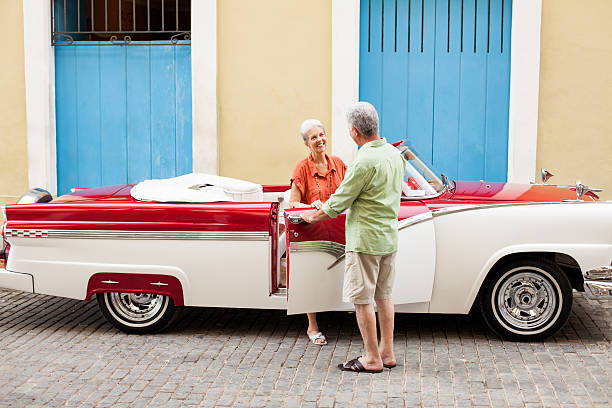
[(514, 251)]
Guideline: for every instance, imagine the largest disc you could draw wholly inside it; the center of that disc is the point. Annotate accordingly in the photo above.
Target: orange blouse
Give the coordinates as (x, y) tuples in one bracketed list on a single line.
[(315, 186)]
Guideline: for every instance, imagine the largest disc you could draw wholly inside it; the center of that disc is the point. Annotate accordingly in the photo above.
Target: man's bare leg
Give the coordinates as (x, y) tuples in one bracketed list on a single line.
[(366, 320), (386, 318)]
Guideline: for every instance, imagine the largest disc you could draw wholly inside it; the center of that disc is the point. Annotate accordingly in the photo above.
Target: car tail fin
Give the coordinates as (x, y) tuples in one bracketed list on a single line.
[(4, 246)]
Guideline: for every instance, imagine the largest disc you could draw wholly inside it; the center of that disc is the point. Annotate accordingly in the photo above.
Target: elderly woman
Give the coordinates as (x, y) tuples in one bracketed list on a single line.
[(315, 179)]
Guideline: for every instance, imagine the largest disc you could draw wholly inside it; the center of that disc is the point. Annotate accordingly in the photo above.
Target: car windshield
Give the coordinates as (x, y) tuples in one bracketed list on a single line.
[(420, 178)]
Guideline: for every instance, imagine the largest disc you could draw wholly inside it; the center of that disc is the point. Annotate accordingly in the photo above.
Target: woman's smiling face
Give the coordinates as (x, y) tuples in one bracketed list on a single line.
[(316, 140)]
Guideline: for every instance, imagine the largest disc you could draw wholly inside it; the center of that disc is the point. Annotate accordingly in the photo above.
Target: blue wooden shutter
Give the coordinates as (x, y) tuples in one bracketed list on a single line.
[(123, 113), (438, 72)]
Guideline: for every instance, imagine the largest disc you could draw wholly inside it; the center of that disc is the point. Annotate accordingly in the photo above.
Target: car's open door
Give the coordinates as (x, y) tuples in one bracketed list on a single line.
[(315, 266)]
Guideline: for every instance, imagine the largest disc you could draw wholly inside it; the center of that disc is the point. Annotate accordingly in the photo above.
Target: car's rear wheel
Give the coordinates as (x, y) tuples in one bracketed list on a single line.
[(136, 313), (526, 300)]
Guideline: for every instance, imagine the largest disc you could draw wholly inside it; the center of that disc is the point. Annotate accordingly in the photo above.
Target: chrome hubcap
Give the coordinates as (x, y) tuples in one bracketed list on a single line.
[(527, 300), (136, 306)]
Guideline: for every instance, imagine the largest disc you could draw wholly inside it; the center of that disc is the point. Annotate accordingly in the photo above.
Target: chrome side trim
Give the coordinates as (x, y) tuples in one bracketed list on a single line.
[(25, 233), (461, 208), (417, 219), (280, 292), (148, 235), (337, 261), (329, 247)]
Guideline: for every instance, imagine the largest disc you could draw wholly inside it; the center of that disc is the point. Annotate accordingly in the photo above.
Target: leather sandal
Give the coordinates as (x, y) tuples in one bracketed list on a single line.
[(314, 337), (355, 365)]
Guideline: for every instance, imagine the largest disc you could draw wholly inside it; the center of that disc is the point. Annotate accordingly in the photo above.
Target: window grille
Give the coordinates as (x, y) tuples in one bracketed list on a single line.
[(120, 22)]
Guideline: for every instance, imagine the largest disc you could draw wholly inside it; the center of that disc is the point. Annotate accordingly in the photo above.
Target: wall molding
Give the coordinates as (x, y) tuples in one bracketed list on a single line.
[(524, 90), (524, 82), (345, 74), (204, 86), (40, 95)]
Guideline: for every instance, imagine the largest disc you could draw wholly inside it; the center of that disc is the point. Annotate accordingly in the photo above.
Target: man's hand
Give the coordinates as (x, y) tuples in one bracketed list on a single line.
[(317, 204), (308, 216), (313, 216)]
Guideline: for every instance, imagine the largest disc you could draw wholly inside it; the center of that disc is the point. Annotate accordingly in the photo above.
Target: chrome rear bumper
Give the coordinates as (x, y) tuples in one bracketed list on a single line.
[(598, 283)]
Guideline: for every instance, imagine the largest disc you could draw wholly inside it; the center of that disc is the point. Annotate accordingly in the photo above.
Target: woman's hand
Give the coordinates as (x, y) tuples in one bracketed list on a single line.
[(317, 204)]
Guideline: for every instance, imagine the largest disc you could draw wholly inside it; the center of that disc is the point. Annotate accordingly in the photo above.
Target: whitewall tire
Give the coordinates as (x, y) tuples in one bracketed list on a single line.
[(136, 313), (526, 300)]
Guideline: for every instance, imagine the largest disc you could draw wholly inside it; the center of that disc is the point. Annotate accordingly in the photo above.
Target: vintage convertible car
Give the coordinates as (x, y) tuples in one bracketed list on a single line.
[(516, 252)]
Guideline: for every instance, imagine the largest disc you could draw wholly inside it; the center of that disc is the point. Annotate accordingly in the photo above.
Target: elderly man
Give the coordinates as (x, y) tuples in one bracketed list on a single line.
[(371, 191)]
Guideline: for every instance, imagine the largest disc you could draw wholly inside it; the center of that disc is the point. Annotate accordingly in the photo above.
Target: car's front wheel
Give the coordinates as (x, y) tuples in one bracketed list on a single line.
[(136, 313), (526, 300)]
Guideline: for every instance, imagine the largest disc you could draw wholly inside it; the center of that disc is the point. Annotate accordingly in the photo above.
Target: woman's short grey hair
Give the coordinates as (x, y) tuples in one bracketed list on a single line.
[(309, 124), (363, 116)]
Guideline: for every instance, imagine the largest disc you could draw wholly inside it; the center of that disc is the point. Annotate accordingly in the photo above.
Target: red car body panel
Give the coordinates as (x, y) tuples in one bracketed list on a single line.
[(113, 208), (142, 216), (333, 229), (487, 192), (134, 283), (276, 188)]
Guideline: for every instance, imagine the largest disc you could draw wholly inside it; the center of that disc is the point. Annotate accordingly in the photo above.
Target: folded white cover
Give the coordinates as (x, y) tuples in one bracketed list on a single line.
[(197, 188)]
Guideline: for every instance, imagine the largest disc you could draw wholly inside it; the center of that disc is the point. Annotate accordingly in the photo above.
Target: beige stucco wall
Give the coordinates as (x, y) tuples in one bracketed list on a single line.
[(575, 115), (13, 149), (274, 71)]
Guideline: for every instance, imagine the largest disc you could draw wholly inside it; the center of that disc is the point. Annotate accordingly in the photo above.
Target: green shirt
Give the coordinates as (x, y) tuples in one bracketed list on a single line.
[(371, 190)]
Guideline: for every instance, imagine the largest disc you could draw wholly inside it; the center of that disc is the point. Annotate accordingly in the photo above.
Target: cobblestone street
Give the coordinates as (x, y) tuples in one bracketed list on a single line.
[(60, 352)]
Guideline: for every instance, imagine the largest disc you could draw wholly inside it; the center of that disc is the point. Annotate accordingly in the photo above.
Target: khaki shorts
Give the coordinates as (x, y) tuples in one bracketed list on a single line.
[(368, 277)]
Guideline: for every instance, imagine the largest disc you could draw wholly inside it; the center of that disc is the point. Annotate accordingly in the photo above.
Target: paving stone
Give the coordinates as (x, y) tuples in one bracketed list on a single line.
[(61, 352)]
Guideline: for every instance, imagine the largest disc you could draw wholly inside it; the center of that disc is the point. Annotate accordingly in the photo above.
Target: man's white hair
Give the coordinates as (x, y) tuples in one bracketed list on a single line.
[(309, 124), (363, 116)]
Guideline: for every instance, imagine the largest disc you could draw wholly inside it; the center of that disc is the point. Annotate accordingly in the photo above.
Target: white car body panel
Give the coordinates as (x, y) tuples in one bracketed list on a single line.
[(441, 264), (485, 234), (313, 288), (16, 281), (212, 273)]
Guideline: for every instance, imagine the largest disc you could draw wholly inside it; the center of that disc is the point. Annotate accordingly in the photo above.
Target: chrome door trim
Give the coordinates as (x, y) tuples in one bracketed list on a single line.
[(144, 235), (329, 247), (414, 220), (438, 212)]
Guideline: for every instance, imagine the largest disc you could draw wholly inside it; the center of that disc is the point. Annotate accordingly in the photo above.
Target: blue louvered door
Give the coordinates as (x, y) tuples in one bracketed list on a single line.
[(438, 72), (123, 113)]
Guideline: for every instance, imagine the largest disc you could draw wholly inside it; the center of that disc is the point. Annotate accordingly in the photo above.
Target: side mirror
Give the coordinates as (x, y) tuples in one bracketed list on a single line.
[(545, 175), (445, 180)]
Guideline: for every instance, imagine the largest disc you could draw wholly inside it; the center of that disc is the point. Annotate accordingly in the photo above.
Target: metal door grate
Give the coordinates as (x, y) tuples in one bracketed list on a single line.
[(120, 22)]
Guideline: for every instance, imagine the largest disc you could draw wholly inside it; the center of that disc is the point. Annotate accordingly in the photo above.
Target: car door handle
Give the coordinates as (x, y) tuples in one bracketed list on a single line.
[(295, 218)]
